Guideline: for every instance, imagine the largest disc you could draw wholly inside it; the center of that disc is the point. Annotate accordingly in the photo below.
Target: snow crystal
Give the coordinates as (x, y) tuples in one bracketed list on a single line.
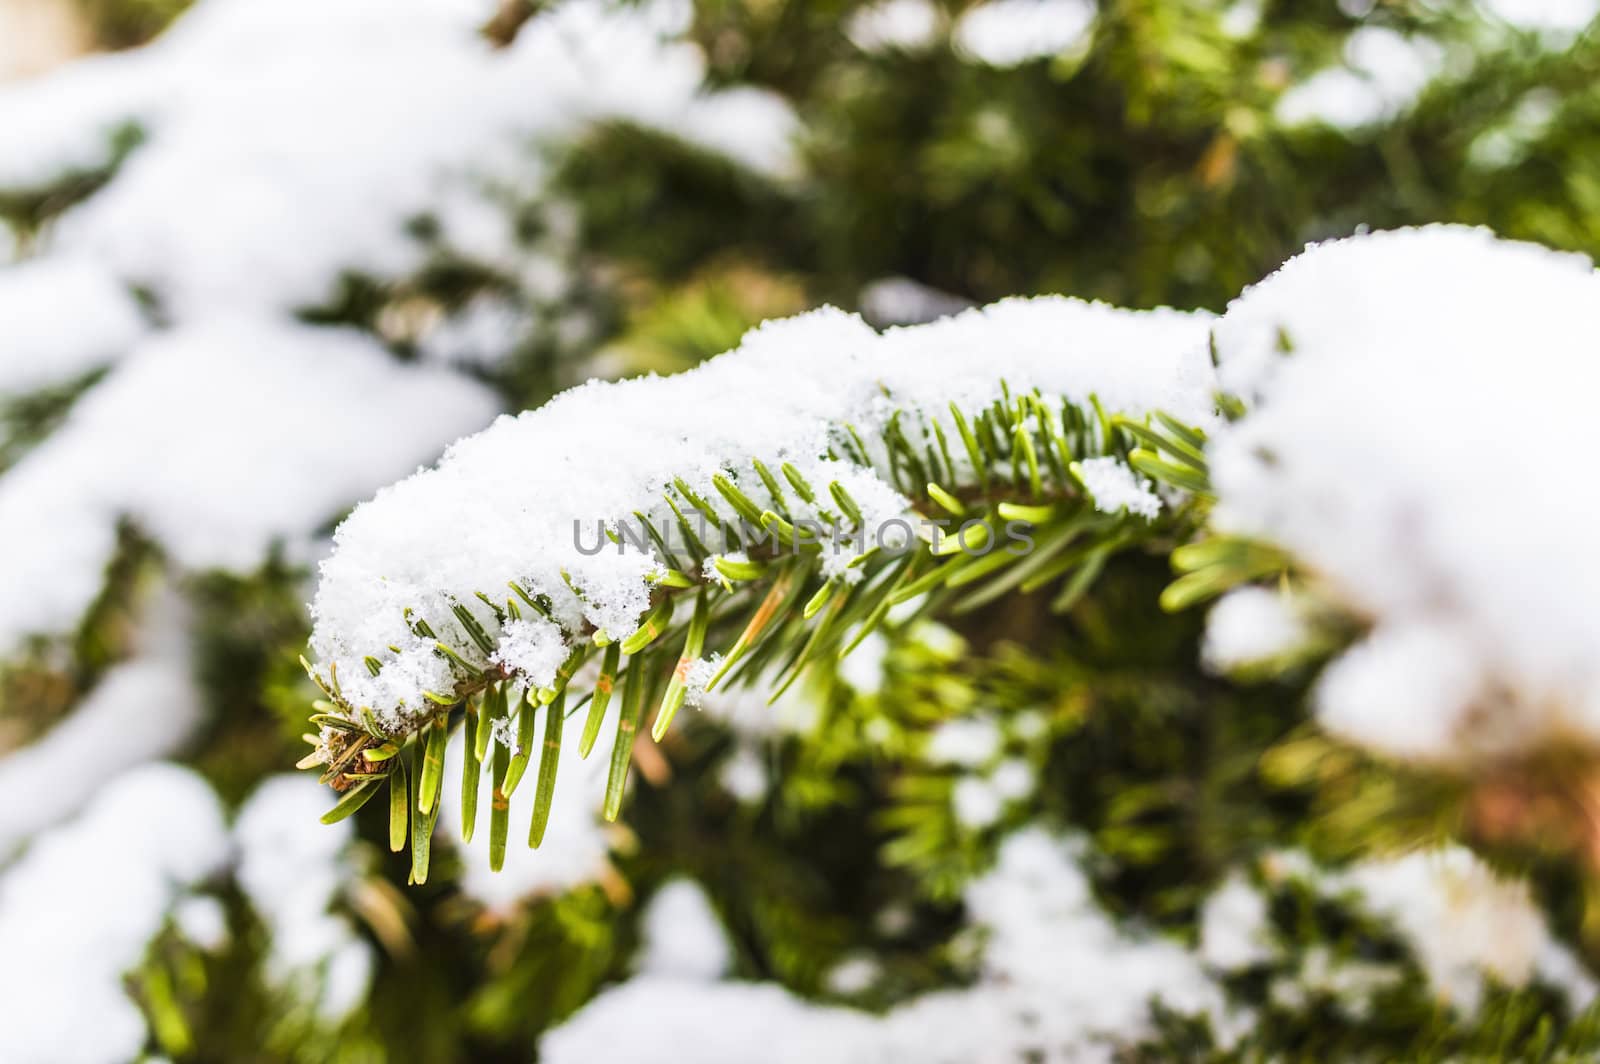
[(1114, 488), (1249, 626), (293, 869), (708, 569), (504, 732), (576, 838), (1058, 980), (1375, 452), (682, 937), (70, 932), (1383, 75), (530, 493), (697, 677), (533, 649), (1008, 33)]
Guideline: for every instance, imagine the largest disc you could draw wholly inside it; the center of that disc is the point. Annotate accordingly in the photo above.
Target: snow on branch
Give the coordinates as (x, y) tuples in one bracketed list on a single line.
[(257, 442), (1379, 455), (795, 477), (1056, 975), (519, 502), (292, 877), (285, 146), (158, 832), (1058, 978), (1416, 409), (143, 708)]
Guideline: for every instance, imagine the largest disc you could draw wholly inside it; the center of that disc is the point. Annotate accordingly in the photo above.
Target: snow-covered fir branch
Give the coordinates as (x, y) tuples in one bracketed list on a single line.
[(826, 448), (1356, 383)]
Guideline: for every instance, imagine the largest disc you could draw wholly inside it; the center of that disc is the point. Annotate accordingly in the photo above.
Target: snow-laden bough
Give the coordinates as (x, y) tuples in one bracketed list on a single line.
[(1412, 403), (781, 499)]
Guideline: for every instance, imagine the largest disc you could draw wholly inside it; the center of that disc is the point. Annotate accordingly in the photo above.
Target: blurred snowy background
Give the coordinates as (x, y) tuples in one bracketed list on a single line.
[(259, 259)]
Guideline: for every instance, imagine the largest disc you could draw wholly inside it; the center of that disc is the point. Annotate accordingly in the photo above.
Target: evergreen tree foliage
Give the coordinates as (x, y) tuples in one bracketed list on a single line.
[(842, 839)]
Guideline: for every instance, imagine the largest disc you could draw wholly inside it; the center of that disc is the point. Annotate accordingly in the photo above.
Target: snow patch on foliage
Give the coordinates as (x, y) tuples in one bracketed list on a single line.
[(142, 709), (1250, 626), (1379, 453), (682, 937), (1383, 74), (284, 148), (1561, 18), (294, 869), (1115, 488), (1465, 922), (976, 802), (576, 838), (907, 25), (1008, 33), (530, 490), (291, 142), (63, 317), (1234, 926), (533, 649), (965, 741), (253, 437), (78, 911), (1058, 980)]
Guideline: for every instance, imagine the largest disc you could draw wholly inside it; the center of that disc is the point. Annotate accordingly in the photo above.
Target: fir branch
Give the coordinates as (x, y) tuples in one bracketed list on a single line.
[(1019, 492)]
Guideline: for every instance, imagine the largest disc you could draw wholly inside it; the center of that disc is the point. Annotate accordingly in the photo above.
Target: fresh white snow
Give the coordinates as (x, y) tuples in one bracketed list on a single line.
[(1008, 33), (143, 708), (79, 909), (1057, 980), (293, 869), (215, 440), (1412, 451), (533, 483), (577, 839)]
